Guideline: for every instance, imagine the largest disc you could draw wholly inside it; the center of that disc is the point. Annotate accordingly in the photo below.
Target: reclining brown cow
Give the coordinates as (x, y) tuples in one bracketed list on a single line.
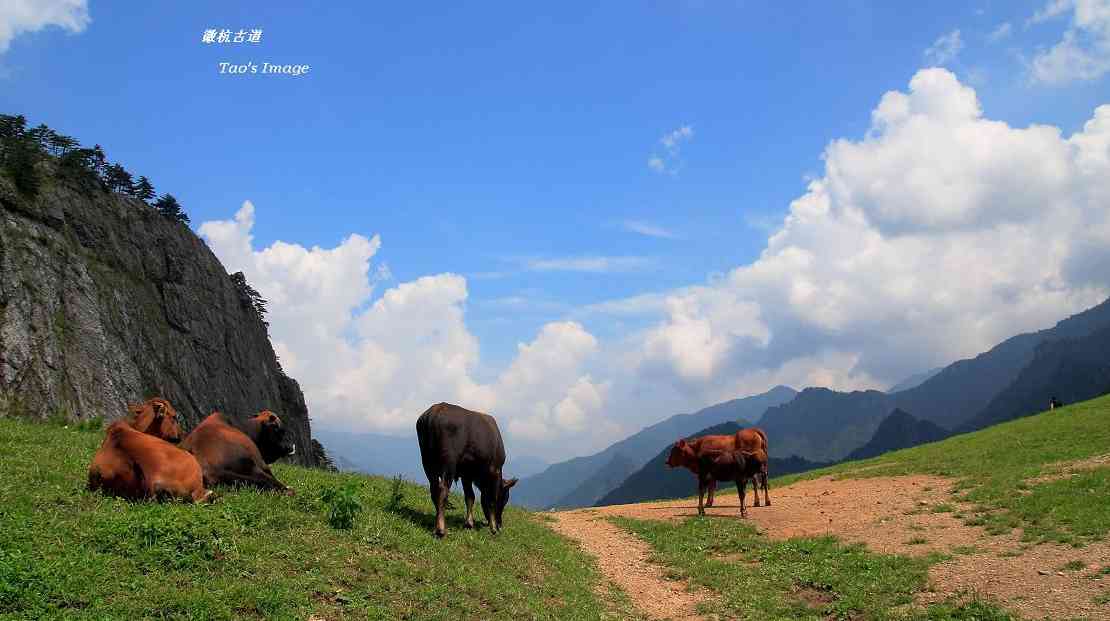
[(751, 441), (716, 465), (233, 454), (155, 417), (138, 465)]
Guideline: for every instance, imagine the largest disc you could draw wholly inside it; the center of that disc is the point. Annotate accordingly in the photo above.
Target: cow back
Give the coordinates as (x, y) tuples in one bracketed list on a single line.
[(453, 438)]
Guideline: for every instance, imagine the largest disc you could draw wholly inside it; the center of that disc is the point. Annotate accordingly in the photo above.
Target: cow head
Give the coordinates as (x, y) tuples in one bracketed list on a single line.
[(682, 453), (502, 499), (270, 437), (156, 417)]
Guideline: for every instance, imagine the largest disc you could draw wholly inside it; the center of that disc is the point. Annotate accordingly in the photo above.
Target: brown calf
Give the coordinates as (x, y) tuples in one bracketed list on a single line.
[(155, 417), (726, 466), (685, 454), (752, 442), (137, 465)]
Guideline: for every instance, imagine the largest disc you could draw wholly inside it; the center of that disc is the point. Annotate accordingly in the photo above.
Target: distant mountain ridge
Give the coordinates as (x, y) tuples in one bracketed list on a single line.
[(913, 381), (899, 430), (559, 481)]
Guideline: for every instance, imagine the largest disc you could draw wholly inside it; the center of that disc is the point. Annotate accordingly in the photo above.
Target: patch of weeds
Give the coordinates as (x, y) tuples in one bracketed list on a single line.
[(944, 507), (396, 495), (1102, 598), (1075, 565), (965, 550), (96, 423), (916, 541), (343, 505)]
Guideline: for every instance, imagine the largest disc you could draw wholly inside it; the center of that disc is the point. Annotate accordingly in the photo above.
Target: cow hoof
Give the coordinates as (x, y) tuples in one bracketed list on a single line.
[(757, 504), (767, 504), (289, 492), (440, 534), (469, 526)]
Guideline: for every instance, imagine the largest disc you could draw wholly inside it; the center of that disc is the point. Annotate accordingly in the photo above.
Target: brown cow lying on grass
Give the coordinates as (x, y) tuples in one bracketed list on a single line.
[(726, 466), (138, 465), (240, 455), (155, 417), (751, 441)]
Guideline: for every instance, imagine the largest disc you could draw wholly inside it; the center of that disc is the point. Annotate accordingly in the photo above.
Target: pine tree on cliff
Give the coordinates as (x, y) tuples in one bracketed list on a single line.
[(169, 207), (250, 297), (117, 178), (143, 190), (21, 156)]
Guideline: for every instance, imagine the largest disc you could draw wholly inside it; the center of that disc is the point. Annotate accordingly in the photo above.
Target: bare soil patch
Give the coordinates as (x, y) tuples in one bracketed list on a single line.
[(623, 559), (914, 515), (1066, 469)]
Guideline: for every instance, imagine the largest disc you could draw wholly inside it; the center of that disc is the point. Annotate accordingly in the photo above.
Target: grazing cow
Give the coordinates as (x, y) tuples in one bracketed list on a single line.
[(137, 465), (155, 417), (752, 441), (239, 454), (726, 466), (456, 443), (685, 453)]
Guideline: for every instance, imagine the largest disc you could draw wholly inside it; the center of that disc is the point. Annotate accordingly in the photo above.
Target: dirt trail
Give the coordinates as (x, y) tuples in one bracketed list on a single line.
[(888, 514), (623, 559)]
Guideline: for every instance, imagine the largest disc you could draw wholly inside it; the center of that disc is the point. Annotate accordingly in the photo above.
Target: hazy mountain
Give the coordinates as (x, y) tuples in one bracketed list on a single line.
[(655, 480), (958, 393), (560, 480), (822, 425), (1074, 369), (899, 430), (825, 425), (605, 479), (913, 381)]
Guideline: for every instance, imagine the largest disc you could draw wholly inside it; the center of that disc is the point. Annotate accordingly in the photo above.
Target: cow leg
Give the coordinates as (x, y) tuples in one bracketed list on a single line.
[(260, 478), (701, 495), (487, 505), (712, 491), (766, 495), (468, 492), (440, 490), (741, 483), (755, 488)]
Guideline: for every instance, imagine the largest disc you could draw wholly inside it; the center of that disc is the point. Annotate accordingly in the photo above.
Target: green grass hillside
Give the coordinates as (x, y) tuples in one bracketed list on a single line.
[(65, 552), (1010, 472)]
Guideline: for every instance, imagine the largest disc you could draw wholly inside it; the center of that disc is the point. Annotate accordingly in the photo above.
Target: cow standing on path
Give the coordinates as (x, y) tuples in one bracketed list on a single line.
[(456, 443)]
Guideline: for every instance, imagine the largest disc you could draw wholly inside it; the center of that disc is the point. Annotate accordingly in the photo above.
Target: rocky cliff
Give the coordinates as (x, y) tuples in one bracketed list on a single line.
[(104, 301)]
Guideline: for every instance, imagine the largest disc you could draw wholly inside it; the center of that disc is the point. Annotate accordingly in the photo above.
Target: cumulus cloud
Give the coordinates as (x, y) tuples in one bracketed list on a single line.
[(23, 16), (668, 161), (934, 236), (945, 49), (1084, 51), (376, 364)]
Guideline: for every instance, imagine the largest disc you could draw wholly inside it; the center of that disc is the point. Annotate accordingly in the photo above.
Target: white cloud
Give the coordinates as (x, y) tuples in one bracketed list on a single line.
[(1084, 51), (1003, 31), (648, 229), (669, 162), (23, 16), (945, 49), (938, 234), (597, 264), (377, 366)]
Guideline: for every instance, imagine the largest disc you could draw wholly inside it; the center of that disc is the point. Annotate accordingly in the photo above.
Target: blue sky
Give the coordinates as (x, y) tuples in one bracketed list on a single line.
[(510, 143)]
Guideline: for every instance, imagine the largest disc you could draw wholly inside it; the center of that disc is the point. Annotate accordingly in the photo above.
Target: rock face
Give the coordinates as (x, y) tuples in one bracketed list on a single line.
[(104, 302)]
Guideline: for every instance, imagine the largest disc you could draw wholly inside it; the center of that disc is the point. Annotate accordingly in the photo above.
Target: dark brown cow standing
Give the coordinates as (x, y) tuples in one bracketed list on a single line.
[(725, 466), (456, 443), (137, 465), (239, 455)]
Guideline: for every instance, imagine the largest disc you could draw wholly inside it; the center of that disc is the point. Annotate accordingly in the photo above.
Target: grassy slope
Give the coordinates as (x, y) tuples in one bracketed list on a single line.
[(822, 578), (67, 552), (993, 467)]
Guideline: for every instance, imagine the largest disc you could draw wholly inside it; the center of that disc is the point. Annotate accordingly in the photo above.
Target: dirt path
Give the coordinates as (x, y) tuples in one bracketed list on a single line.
[(623, 559), (910, 515)]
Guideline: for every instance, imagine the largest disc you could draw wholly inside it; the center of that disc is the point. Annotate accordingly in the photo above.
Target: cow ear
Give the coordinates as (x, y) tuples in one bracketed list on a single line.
[(272, 419), (681, 443), (511, 482)]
